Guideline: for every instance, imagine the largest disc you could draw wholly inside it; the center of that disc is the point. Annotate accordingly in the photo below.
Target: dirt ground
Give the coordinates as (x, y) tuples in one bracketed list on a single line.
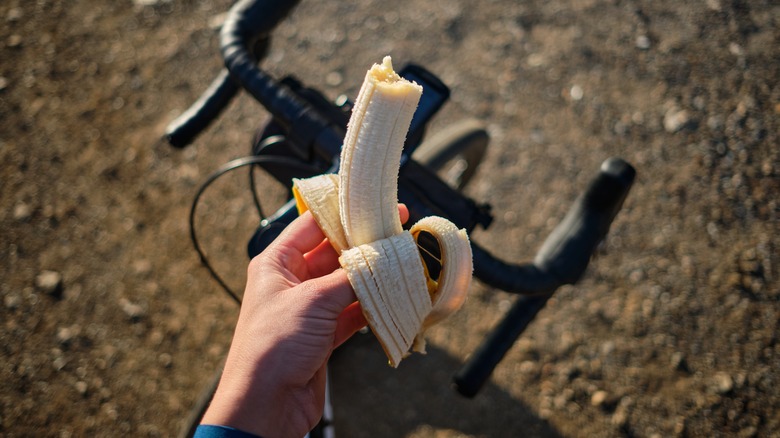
[(109, 325)]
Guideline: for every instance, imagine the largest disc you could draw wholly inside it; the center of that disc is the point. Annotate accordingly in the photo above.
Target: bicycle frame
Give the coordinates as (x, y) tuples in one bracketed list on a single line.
[(307, 127)]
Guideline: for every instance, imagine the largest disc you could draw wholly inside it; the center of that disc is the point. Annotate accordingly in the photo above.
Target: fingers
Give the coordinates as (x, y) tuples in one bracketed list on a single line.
[(322, 260), (288, 250), (404, 212), (301, 236), (302, 250), (350, 321)]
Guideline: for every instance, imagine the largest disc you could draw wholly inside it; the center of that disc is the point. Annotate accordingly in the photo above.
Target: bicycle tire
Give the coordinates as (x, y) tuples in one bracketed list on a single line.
[(455, 153), (199, 408)]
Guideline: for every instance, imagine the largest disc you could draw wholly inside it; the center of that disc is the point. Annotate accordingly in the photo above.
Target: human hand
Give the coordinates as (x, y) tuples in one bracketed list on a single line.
[(297, 307)]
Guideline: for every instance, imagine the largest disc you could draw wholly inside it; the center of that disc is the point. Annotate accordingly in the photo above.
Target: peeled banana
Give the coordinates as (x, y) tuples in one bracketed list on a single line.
[(371, 155), (357, 211)]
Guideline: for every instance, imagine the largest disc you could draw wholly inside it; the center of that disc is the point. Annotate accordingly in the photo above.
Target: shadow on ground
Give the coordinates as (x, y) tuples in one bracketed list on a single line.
[(372, 399)]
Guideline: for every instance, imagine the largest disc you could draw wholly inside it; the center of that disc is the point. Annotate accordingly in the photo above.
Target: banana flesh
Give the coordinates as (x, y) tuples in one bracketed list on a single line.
[(357, 211), (320, 194), (387, 286), (371, 155)]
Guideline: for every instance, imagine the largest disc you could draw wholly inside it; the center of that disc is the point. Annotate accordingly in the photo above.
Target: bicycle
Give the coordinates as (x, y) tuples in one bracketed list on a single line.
[(304, 138)]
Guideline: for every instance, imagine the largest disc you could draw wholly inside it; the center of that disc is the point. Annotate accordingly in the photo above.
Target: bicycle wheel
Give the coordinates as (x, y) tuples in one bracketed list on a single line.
[(200, 406), (455, 153)]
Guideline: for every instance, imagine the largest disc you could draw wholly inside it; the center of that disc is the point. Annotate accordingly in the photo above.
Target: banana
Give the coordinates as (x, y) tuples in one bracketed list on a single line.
[(387, 276), (455, 249), (320, 194), (357, 211), (371, 155)]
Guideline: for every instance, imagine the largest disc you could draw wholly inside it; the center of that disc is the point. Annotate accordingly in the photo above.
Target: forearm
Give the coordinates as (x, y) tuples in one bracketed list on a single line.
[(255, 394)]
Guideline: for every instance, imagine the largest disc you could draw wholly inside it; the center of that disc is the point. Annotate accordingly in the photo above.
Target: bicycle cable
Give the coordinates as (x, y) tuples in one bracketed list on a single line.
[(228, 167), (257, 150)]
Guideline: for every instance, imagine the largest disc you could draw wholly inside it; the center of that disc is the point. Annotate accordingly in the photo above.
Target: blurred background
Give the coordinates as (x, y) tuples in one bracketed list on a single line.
[(109, 325)]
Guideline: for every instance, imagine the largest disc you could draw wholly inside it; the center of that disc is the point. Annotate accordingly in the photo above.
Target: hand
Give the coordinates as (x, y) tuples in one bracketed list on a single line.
[(297, 307)]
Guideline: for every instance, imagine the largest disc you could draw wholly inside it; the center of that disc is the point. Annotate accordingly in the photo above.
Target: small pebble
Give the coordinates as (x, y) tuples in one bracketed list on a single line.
[(679, 426), (65, 335), (12, 301), (59, 363), (714, 5), (334, 79), (748, 432), (678, 362), (528, 367), (22, 211), (642, 42), (132, 310), (105, 394), (49, 282), (165, 359), (620, 417), (14, 40), (715, 122), (142, 266), (636, 276), (14, 14), (723, 383), (81, 387), (598, 398), (735, 49), (607, 348), (156, 337), (576, 92), (675, 119)]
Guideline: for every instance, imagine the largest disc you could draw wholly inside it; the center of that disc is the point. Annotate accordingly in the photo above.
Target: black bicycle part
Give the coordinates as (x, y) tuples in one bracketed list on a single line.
[(269, 142), (247, 20), (419, 188), (313, 133), (561, 260), (304, 123), (185, 128), (321, 146), (435, 94), (230, 166), (422, 191)]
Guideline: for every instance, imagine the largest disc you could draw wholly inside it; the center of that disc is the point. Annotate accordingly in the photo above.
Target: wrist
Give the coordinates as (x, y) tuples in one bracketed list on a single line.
[(219, 431), (246, 406), (258, 402)]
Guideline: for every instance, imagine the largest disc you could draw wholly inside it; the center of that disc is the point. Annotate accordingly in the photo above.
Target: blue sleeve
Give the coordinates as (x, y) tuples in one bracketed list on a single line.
[(214, 431)]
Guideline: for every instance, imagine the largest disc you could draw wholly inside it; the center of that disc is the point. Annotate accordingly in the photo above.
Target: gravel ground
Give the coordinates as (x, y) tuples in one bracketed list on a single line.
[(109, 325)]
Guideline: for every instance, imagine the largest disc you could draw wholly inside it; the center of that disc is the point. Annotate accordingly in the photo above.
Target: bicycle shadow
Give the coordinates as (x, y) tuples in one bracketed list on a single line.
[(372, 399)]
